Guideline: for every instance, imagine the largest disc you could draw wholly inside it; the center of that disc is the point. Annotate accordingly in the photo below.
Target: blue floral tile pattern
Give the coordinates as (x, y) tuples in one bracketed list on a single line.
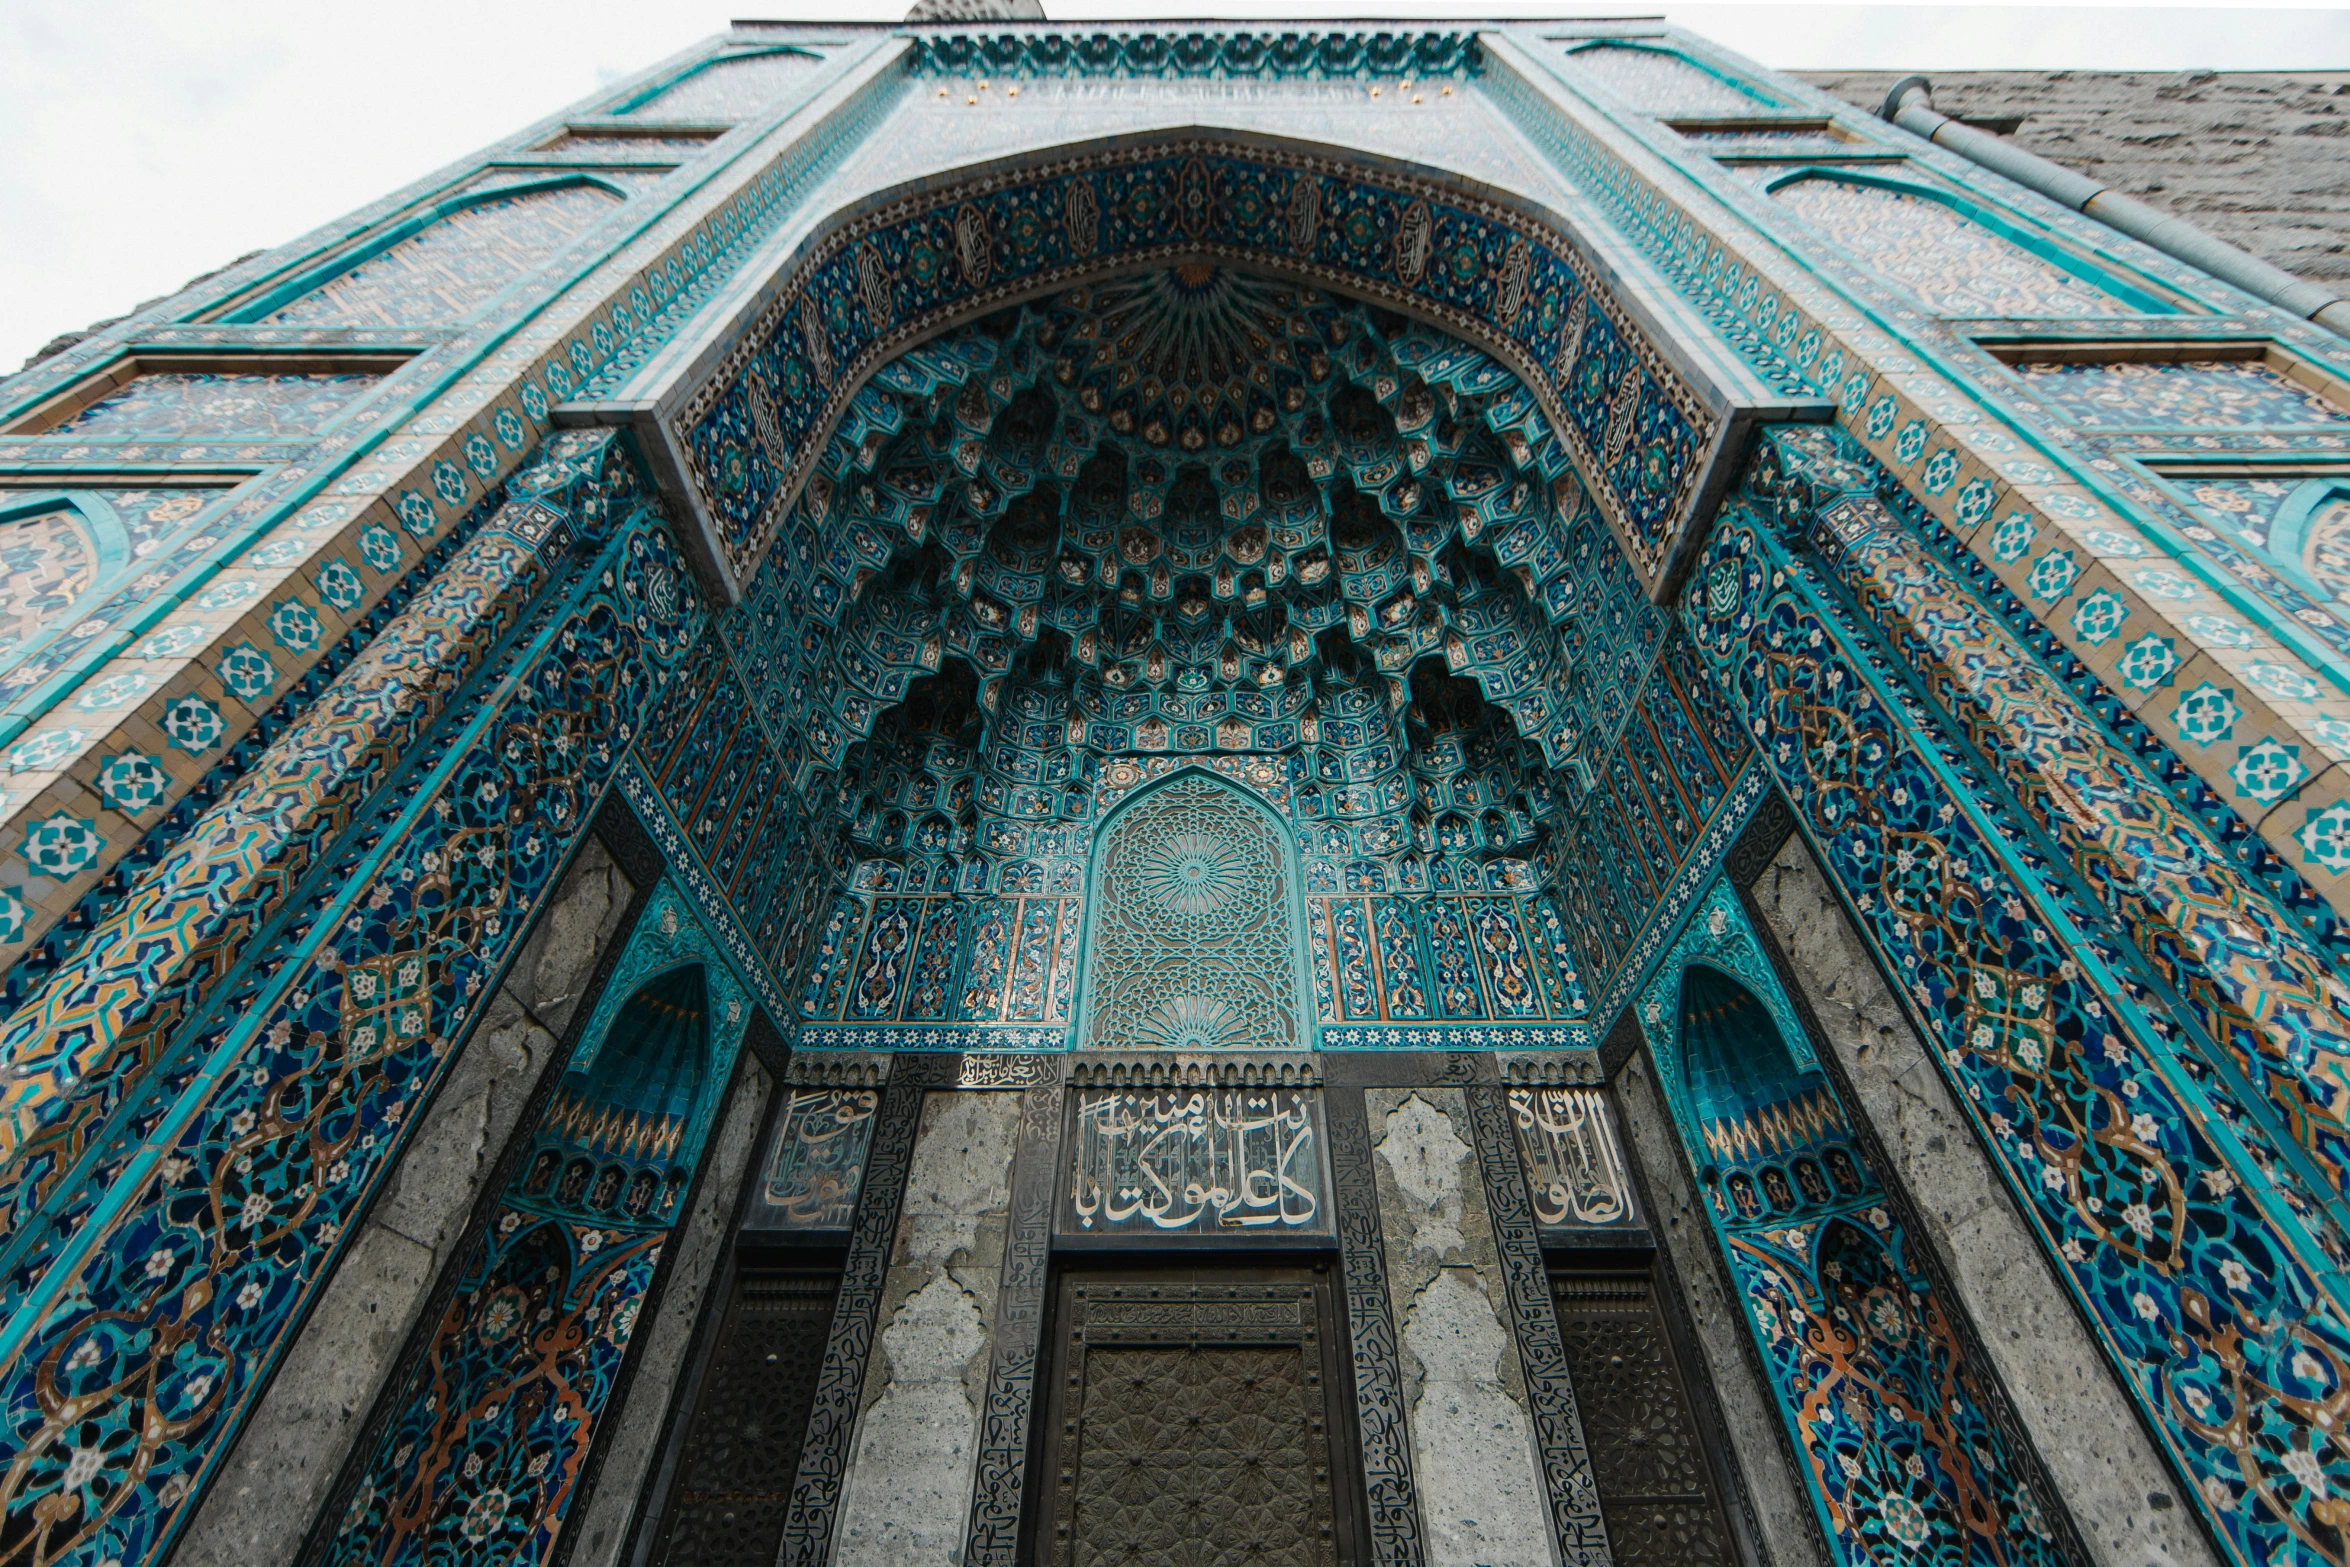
[(455, 265), (1661, 82), (171, 406)]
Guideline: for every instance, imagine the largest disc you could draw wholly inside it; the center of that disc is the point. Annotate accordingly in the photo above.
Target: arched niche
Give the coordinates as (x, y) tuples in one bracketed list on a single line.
[(1195, 930), (1771, 1132), (622, 1135)]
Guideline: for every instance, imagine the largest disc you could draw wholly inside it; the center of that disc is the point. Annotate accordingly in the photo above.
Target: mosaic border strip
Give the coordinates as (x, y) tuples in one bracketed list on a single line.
[(1457, 1036), (686, 866), (1721, 835), (832, 1421), (968, 1037), (1381, 1432)]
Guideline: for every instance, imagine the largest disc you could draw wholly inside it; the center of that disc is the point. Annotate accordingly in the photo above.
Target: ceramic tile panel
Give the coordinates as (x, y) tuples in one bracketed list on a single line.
[(453, 265)]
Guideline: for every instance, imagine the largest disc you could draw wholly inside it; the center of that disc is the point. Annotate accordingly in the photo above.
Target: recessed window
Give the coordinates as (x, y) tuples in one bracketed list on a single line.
[(604, 142), (240, 397), (729, 89), (455, 264), (2213, 387), (184, 398), (1956, 265), (1655, 81)]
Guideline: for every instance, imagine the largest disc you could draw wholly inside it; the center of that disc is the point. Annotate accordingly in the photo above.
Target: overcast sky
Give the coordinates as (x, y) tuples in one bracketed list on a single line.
[(145, 141)]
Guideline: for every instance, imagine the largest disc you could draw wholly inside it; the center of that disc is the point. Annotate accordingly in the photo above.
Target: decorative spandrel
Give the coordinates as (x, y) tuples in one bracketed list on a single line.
[(1222, 1163), (1574, 1162), (818, 1164), (1195, 931)]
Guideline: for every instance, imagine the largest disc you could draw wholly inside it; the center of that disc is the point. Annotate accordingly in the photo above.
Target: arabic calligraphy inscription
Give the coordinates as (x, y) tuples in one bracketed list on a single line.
[(1232, 1163), (819, 1160), (1574, 1164)]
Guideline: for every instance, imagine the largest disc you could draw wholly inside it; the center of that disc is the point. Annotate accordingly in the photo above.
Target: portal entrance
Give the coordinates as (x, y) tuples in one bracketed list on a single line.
[(1196, 1416)]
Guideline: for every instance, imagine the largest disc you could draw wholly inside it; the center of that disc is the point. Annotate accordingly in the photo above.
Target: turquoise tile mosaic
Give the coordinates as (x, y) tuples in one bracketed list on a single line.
[(1660, 82), (1195, 596), (453, 265), (729, 89), (1902, 1454)]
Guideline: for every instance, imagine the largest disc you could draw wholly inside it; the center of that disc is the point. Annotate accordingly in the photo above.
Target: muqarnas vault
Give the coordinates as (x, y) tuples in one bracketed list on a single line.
[(995, 792)]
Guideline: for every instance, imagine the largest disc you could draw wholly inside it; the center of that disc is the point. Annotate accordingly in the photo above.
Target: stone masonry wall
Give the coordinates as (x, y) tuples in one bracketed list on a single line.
[(907, 1499), (2259, 159), (1481, 1497), (262, 1502)]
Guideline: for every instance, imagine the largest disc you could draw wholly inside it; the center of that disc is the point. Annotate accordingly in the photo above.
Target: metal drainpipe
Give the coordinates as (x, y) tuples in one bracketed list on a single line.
[(1910, 105)]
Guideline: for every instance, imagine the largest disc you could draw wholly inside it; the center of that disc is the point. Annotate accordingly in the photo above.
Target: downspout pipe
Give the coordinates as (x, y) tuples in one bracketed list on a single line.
[(1910, 105)]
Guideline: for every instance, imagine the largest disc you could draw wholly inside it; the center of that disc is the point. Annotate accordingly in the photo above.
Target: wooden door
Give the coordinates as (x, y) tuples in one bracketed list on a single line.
[(1656, 1487), (1195, 1419)]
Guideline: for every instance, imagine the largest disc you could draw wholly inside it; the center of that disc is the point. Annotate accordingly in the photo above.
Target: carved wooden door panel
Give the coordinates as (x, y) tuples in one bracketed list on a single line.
[(1192, 1421), (1656, 1488), (741, 1446)]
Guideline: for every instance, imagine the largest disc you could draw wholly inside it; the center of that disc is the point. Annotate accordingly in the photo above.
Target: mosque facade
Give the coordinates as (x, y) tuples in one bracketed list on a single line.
[(996, 792)]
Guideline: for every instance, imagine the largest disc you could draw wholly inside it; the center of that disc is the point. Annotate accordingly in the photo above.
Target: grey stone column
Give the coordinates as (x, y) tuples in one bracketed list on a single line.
[(1550, 1392), (1001, 1472), (1476, 1439), (832, 1422), (1382, 1435), (903, 1503)]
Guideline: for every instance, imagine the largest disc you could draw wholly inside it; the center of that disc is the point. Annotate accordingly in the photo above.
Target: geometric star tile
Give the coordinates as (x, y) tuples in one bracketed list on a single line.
[(44, 750), (62, 845), (193, 724), (2148, 663), (2325, 838), (339, 585), (2052, 575), (132, 782), (295, 625), (2219, 630), (2207, 714), (13, 915), (2100, 617), (247, 672), (234, 591), (2267, 770), (113, 691), (2011, 541), (381, 548), (170, 641), (2283, 681)]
